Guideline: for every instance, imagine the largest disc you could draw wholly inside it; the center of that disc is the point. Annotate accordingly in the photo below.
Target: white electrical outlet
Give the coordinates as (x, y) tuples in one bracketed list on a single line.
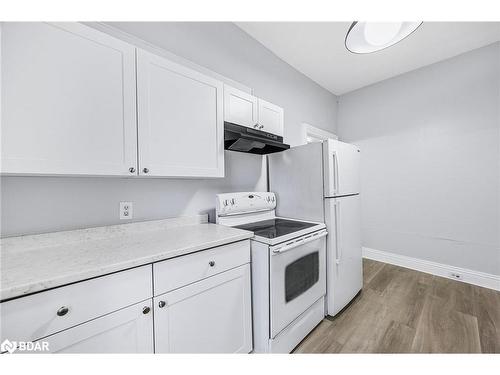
[(126, 210)]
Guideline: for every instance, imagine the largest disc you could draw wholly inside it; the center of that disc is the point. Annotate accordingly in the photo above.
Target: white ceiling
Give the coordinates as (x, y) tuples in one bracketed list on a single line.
[(317, 49)]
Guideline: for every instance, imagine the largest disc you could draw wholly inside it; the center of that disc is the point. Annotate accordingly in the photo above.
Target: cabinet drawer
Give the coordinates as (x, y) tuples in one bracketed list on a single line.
[(175, 273), (33, 317)]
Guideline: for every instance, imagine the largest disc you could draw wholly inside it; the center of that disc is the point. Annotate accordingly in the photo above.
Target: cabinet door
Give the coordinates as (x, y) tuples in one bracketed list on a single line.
[(129, 330), (240, 107), (68, 101), (209, 316), (180, 120), (270, 118)]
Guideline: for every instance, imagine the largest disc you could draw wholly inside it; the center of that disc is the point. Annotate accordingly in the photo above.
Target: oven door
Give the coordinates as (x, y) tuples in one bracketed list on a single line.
[(297, 278)]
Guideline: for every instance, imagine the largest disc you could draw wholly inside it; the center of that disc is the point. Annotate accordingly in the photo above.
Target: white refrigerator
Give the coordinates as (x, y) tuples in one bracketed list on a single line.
[(320, 182)]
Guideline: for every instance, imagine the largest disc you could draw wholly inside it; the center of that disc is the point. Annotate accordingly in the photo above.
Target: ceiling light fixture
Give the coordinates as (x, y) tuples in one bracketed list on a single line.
[(368, 37)]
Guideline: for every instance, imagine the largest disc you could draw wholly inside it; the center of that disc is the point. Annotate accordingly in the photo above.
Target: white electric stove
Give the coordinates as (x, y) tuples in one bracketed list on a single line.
[(288, 269)]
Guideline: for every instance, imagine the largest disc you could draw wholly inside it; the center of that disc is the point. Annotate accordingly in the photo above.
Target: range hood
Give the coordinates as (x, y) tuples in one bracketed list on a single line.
[(243, 139)]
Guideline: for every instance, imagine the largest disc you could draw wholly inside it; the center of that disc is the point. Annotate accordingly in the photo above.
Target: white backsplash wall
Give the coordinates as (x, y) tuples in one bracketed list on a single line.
[(43, 204), (430, 167)]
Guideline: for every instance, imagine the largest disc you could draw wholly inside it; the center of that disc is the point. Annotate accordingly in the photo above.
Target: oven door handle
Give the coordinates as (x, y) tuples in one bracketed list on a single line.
[(293, 244)]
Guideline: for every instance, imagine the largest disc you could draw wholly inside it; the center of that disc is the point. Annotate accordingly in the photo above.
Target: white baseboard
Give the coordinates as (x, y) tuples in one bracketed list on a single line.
[(465, 275)]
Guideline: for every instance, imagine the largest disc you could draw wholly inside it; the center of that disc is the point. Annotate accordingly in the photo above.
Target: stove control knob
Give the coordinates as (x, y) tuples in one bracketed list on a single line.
[(225, 202), (268, 198), (232, 202), (273, 199)]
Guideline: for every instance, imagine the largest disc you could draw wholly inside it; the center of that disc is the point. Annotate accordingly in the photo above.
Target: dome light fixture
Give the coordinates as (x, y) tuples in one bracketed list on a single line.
[(368, 37)]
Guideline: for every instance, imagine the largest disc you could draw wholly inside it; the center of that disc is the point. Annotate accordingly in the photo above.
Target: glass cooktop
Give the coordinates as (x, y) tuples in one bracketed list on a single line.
[(275, 227)]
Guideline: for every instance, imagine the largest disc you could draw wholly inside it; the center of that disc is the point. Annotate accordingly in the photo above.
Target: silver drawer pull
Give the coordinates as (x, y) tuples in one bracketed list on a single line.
[(62, 311), (146, 310), (162, 304), (211, 263)]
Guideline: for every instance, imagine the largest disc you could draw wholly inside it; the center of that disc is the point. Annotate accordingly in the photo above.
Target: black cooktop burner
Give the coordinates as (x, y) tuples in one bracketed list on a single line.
[(275, 227)]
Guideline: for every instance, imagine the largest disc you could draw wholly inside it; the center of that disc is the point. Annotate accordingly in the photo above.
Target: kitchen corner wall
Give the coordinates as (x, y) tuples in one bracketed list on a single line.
[(430, 143), (43, 204)]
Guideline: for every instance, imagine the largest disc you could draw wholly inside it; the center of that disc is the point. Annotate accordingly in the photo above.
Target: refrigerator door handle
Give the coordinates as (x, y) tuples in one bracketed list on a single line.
[(334, 172), (338, 250)]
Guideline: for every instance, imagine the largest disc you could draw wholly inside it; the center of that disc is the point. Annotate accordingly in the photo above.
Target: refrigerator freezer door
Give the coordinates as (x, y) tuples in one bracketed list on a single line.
[(341, 163), (344, 260), (296, 177)]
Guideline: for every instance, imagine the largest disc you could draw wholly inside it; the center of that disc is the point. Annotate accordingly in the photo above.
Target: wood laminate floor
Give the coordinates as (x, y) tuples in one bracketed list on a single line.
[(405, 311)]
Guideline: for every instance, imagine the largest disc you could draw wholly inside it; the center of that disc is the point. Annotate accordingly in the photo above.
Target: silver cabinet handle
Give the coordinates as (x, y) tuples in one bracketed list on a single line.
[(256, 126), (162, 304), (145, 170), (131, 169), (62, 311), (260, 127), (211, 263), (146, 310)]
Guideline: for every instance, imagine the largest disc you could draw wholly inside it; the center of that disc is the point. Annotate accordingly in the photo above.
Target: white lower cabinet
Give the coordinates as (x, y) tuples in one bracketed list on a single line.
[(199, 303), (129, 330), (210, 316)]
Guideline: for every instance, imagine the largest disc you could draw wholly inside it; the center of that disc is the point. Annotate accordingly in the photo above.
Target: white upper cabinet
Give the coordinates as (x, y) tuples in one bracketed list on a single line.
[(180, 120), (244, 109), (270, 118), (240, 107), (67, 101)]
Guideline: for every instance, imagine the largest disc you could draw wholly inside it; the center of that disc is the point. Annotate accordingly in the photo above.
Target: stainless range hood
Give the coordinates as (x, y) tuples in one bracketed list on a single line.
[(243, 139)]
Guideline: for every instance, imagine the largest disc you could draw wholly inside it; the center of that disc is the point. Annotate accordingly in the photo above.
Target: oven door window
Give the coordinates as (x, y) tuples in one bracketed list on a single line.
[(301, 275)]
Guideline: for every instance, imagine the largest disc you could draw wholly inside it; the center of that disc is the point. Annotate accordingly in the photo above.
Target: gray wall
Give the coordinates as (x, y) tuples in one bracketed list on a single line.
[(430, 142), (42, 204)]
